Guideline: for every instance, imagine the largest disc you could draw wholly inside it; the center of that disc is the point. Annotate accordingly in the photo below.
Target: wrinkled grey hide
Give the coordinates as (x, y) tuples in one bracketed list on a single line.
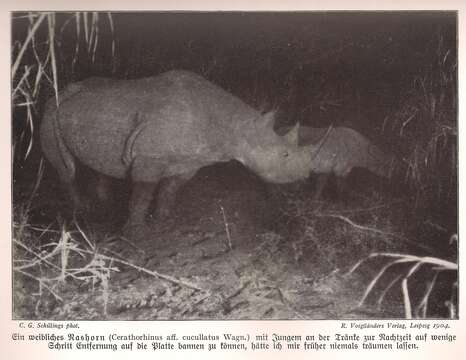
[(163, 127)]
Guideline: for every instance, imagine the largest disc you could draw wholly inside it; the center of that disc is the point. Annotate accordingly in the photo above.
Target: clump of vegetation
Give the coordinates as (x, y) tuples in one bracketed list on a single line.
[(47, 261), (40, 63), (324, 232), (53, 268), (426, 127), (402, 276)]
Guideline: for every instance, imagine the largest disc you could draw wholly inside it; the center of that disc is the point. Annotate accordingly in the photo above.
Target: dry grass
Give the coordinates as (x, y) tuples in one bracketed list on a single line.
[(326, 232), (425, 127), (330, 234), (37, 63), (49, 259), (415, 264), (54, 262)]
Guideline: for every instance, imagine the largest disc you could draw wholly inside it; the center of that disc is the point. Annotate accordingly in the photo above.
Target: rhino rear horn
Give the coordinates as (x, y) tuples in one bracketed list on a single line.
[(268, 120), (292, 136)]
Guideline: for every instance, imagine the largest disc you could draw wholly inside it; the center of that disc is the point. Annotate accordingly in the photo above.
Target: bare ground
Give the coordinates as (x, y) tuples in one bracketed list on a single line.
[(231, 251)]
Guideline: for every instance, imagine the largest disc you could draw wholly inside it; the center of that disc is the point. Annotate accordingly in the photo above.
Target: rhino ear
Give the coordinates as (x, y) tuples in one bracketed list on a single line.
[(293, 135)]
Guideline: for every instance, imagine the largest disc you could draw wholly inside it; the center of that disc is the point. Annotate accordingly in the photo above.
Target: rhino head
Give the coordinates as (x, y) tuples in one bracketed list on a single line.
[(275, 158)]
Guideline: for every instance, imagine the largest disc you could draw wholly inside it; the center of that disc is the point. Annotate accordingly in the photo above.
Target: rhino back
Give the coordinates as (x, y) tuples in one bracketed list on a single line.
[(185, 114), (199, 123)]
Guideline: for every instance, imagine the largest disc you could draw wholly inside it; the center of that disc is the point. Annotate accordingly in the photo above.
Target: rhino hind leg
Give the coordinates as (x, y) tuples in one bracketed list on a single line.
[(146, 173), (77, 204), (74, 201), (101, 202)]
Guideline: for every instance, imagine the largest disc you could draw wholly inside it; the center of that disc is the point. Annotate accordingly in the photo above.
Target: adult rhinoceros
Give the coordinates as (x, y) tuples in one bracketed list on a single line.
[(162, 127)]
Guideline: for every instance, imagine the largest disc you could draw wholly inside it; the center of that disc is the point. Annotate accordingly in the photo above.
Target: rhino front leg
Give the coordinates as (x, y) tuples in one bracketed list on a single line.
[(167, 194), (141, 197), (98, 196)]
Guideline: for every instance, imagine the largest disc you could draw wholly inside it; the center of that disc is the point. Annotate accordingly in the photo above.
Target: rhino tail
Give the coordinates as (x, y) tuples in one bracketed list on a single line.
[(128, 150), (64, 160), (68, 171)]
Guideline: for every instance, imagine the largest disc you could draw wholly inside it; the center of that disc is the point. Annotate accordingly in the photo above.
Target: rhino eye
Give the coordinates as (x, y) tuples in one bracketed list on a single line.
[(285, 154)]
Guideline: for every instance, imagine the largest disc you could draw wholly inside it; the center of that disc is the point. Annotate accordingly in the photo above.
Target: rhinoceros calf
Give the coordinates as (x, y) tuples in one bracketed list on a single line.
[(338, 150), (162, 127)]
